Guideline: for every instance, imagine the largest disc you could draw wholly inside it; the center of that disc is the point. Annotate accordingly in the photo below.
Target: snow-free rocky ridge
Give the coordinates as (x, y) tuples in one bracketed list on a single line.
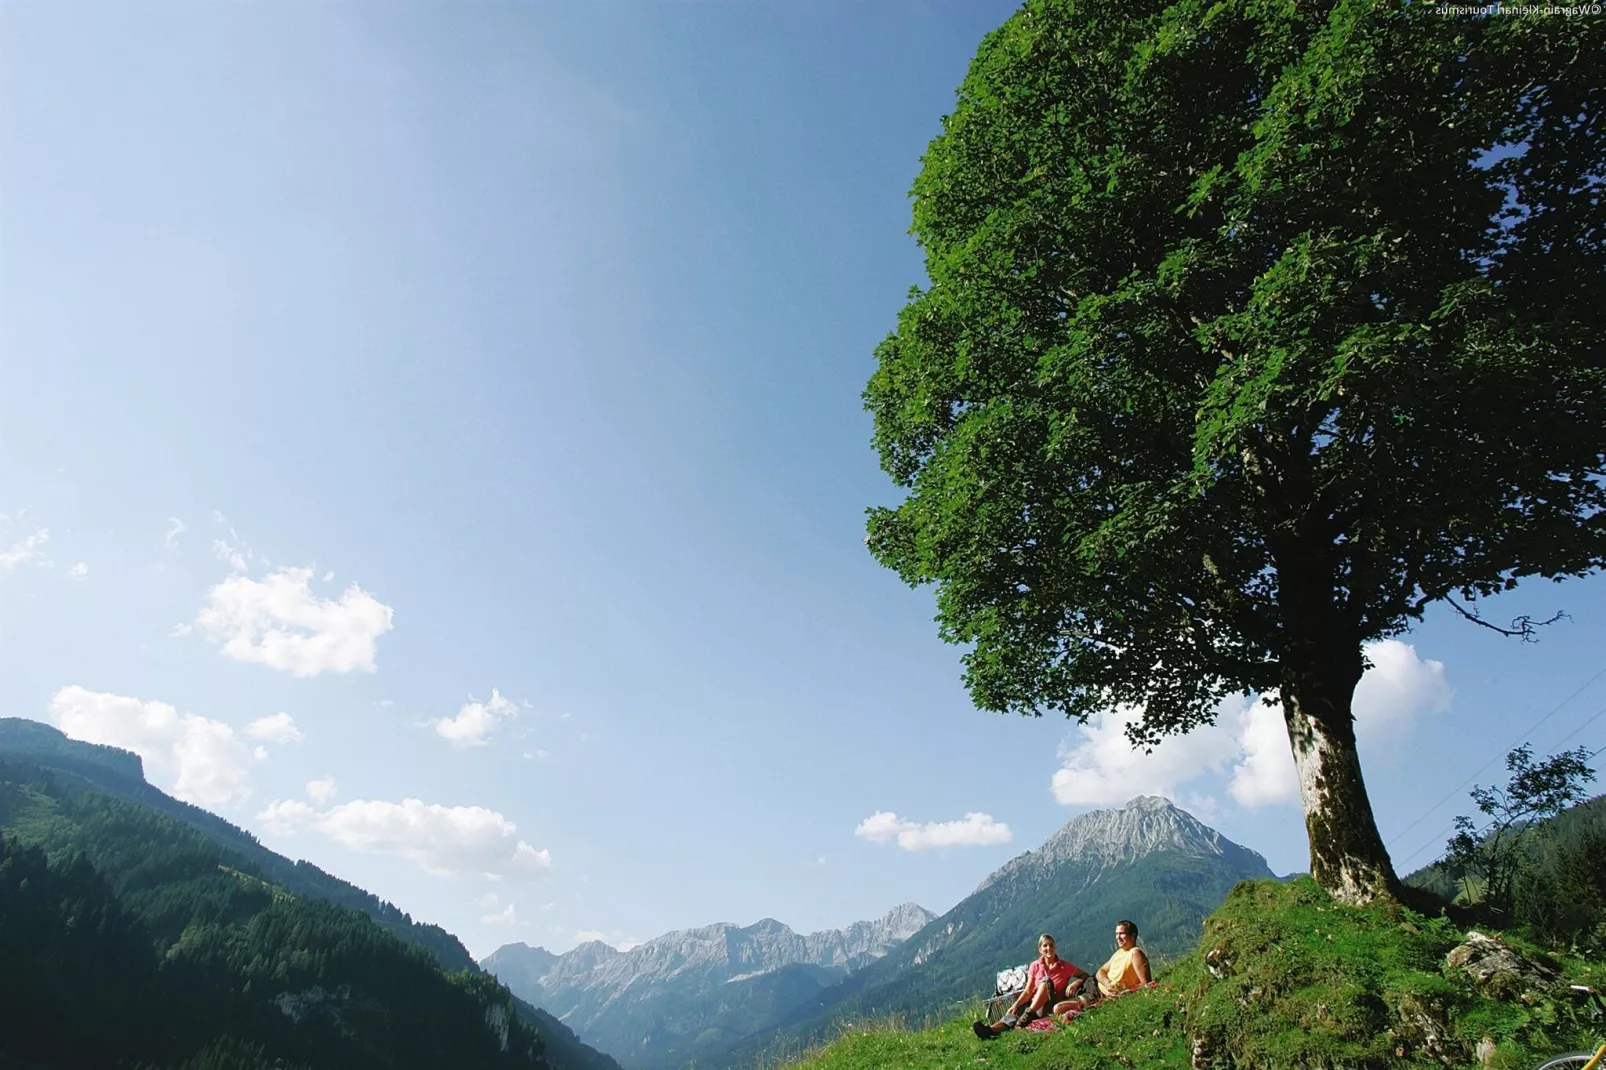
[(693, 991)]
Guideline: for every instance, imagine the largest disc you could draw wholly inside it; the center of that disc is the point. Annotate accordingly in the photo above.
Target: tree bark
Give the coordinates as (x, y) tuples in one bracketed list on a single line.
[(1347, 856)]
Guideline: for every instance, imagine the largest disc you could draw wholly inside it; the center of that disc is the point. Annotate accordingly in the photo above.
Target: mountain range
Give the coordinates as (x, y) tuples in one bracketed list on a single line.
[(691, 994), (724, 995)]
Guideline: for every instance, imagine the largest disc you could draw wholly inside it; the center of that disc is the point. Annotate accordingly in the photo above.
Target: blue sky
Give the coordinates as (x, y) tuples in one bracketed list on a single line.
[(477, 387)]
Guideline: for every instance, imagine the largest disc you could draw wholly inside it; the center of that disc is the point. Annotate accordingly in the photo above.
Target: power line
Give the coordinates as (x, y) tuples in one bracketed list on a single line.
[(1401, 864), (1451, 828), (1581, 727), (1453, 791)]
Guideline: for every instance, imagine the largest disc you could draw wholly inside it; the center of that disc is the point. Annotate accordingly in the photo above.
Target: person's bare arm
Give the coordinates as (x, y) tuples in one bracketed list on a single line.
[(1140, 963)]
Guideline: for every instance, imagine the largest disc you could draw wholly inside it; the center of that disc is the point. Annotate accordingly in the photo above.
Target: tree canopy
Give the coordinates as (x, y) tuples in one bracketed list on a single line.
[(1252, 330)]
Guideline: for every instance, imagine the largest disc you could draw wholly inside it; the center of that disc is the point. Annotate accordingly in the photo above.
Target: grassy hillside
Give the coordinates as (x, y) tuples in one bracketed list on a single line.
[(1283, 977), (956, 957)]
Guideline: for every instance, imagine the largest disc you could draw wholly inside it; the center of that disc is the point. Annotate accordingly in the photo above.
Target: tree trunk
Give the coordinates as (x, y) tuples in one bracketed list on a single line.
[(1347, 856)]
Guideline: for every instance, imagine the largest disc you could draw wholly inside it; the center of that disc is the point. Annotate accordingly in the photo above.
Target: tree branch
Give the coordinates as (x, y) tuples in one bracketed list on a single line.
[(1521, 627)]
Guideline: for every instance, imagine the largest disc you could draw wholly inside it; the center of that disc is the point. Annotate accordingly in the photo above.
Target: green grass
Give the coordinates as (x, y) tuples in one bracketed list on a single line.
[(1283, 977)]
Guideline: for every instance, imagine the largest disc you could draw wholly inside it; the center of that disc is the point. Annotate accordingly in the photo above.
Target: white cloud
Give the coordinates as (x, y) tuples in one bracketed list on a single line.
[(974, 830), (79, 571), (1264, 773), (508, 914), (321, 790), (284, 816), (1102, 768), (475, 721), (445, 841), (1248, 741), (28, 550), (201, 759), (614, 938), (1397, 687), (277, 728), (328, 576), (175, 528), (278, 622), (236, 555), (180, 629)]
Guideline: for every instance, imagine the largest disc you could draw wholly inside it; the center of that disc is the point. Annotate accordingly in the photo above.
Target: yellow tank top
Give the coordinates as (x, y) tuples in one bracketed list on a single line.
[(1121, 971)]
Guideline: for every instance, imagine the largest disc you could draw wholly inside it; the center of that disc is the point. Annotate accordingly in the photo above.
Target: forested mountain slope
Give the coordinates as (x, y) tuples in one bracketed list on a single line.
[(138, 930), (120, 773)]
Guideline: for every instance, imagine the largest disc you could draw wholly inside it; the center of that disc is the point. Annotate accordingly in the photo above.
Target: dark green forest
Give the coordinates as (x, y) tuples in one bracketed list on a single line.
[(137, 930), (131, 940), (1560, 888)]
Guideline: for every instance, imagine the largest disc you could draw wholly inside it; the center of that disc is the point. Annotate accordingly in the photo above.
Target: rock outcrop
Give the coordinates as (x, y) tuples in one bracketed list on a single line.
[(1500, 971)]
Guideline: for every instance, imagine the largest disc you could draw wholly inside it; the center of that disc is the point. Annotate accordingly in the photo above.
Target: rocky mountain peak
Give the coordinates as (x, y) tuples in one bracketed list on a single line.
[(906, 919), (1146, 824)]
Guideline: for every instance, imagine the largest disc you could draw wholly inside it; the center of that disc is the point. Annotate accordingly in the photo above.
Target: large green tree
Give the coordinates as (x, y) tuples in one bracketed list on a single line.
[(1253, 330)]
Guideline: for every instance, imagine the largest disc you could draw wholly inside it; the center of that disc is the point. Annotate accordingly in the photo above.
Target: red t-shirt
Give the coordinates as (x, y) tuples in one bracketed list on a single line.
[(1060, 973)]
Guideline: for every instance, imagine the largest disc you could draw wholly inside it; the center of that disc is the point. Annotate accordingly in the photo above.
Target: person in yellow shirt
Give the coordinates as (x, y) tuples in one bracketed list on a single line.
[(1126, 970)]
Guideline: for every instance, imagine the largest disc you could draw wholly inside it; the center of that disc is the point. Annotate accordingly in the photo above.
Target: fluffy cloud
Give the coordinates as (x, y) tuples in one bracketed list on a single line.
[(615, 939), (1264, 773), (1103, 768), (26, 551), (508, 914), (974, 830), (277, 728), (175, 528), (443, 840), (321, 790), (1397, 688), (1248, 741), (79, 571), (202, 760), (280, 623), (474, 723)]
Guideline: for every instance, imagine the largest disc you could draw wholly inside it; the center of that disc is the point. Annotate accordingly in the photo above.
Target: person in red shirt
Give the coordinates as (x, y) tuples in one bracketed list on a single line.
[(1048, 979)]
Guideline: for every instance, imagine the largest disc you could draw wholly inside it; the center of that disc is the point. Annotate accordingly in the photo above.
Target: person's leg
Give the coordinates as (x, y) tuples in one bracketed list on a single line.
[(1040, 1001), (1040, 998), (986, 1030)]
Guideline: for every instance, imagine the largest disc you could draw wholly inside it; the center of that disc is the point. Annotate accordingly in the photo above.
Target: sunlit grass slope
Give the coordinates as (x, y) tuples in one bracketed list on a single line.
[(1283, 977)]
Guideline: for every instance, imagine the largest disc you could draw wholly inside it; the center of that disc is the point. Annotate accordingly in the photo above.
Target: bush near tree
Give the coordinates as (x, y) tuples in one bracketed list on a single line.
[(1494, 856)]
